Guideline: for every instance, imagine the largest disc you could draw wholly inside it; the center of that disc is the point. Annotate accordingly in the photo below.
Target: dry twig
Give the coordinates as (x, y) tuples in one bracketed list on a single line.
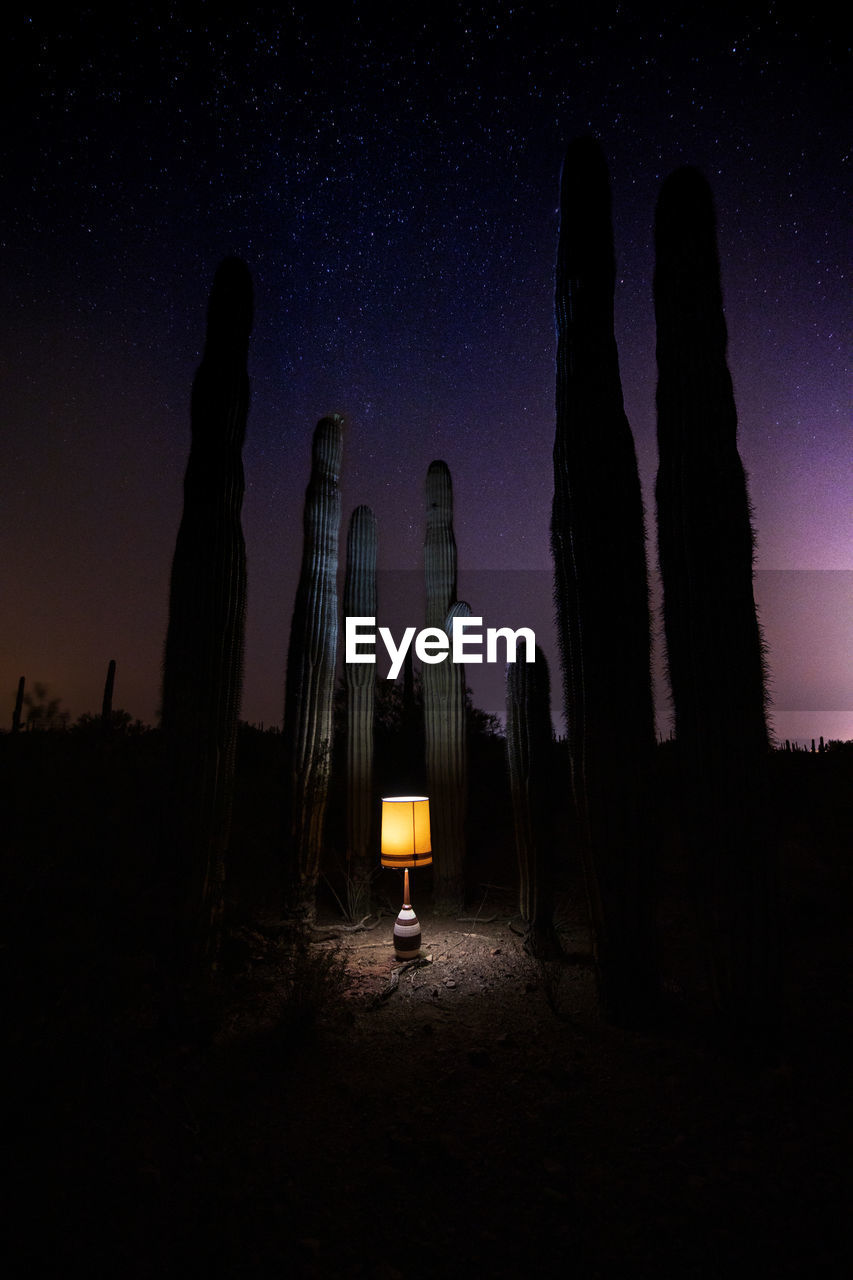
[(323, 933), (392, 986)]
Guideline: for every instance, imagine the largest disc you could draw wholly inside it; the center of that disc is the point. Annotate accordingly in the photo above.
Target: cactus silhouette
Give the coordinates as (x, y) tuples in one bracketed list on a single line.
[(601, 593), (360, 601), (310, 681), (714, 648), (444, 699), (109, 686), (447, 769), (19, 705), (203, 662), (529, 748), (439, 545), (410, 759)]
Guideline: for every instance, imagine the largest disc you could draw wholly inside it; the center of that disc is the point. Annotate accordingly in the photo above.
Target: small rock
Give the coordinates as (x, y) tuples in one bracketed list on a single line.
[(450, 982)]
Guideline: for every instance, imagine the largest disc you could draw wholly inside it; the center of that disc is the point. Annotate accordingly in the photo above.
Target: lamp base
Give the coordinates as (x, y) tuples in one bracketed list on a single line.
[(407, 934)]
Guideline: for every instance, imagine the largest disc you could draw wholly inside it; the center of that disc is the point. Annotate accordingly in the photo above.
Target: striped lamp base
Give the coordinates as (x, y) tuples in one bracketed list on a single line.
[(407, 934)]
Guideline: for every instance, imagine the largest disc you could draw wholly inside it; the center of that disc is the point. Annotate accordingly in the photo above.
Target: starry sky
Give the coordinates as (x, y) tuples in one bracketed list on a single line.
[(391, 177)]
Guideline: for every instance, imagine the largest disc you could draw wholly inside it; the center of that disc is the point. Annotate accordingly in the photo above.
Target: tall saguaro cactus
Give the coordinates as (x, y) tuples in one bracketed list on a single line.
[(311, 656), (203, 663), (529, 747), (601, 591), (439, 545), (360, 601), (447, 770), (714, 647), (444, 698)]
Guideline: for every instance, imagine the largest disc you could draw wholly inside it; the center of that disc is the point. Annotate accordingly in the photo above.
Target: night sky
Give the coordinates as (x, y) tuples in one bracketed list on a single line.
[(391, 178)]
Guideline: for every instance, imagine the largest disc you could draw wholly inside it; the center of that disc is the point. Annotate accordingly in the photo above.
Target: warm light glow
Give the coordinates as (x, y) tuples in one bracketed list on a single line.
[(405, 831)]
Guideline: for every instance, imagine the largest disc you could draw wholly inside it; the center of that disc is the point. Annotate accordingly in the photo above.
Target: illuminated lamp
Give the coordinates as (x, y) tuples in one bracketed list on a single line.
[(406, 843)]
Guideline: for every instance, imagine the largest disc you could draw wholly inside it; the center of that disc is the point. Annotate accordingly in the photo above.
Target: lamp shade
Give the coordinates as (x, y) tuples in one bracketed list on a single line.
[(405, 831)]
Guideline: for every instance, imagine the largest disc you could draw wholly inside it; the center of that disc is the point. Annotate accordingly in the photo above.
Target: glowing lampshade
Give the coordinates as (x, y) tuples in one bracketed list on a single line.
[(405, 832), (406, 843)]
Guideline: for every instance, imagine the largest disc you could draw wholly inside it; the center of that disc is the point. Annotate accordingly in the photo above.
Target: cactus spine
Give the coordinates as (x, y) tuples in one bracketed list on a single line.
[(529, 745), (714, 647), (444, 699), (203, 663), (311, 656), (360, 601), (601, 592)]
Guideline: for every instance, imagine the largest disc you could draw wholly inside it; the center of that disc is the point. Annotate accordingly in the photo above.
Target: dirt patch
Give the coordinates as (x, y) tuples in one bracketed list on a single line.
[(479, 1115)]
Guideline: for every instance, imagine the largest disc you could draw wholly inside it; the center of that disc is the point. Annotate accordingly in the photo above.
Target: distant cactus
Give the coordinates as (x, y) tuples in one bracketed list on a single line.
[(203, 663), (529, 747), (109, 686), (19, 705), (310, 681), (360, 601), (444, 693), (601, 591), (714, 647)]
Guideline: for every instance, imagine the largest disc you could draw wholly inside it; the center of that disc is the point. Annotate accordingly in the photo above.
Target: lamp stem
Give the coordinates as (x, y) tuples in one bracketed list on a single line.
[(407, 902)]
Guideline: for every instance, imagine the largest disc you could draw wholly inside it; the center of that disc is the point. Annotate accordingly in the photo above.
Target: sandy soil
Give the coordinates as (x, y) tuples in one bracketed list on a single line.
[(479, 1116)]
